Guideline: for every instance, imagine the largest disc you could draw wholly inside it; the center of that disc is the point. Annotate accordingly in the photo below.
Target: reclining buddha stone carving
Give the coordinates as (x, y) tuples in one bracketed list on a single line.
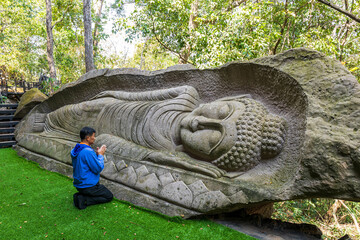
[(185, 141), (210, 141), (227, 135)]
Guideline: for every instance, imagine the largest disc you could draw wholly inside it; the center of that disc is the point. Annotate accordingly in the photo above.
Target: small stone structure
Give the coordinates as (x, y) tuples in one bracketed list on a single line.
[(184, 141)]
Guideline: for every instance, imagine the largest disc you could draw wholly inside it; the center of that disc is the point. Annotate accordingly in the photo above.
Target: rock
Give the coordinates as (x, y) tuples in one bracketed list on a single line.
[(331, 152), (29, 100), (277, 128)]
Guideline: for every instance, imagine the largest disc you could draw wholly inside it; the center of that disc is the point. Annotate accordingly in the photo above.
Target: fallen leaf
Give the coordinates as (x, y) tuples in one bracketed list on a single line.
[(177, 236), (134, 233), (104, 233), (25, 221)]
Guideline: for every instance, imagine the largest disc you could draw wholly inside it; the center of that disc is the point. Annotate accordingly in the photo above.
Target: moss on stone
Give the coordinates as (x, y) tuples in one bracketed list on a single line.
[(29, 100)]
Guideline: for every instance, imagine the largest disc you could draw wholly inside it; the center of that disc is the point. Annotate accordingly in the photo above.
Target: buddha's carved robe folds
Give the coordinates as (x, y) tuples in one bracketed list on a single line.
[(230, 134)]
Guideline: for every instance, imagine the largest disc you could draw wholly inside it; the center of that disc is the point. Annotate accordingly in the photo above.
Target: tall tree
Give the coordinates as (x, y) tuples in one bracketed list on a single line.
[(97, 26), (50, 41), (89, 55)]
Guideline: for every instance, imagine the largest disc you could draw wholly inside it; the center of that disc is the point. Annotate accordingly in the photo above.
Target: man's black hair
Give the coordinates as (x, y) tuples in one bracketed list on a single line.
[(86, 131)]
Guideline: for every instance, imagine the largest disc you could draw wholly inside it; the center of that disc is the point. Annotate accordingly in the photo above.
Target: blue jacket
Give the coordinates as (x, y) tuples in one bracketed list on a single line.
[(86, 166)]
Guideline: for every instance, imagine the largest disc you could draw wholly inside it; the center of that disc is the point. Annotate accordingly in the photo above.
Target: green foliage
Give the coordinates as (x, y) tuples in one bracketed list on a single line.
[(319, 212), (23, 38), (3, 99), (49, 86), (37, 204), (149, 57), (225, 32)]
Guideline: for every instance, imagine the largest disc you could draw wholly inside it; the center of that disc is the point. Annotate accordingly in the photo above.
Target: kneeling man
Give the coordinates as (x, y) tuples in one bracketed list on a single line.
[(87, 165)]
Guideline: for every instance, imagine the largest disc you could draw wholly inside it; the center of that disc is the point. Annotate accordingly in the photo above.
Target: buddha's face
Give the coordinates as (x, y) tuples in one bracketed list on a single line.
[(210, 130)]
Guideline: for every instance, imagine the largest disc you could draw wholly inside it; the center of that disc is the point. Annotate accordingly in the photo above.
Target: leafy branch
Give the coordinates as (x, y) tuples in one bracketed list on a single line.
[(166, 47), (347, 13), (60, 20)]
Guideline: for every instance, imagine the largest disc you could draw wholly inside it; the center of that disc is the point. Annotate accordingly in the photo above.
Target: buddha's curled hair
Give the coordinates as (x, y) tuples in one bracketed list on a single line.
[(260, 135)]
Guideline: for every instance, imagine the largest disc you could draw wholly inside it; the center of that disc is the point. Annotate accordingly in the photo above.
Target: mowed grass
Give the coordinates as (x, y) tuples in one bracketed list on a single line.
[(37, 204)]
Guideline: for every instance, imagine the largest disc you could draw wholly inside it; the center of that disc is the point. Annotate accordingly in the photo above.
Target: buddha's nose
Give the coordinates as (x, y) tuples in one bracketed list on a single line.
[(200, 123)]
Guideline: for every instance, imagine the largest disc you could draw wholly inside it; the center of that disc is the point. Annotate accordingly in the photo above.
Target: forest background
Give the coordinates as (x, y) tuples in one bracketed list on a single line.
[(204, 33)]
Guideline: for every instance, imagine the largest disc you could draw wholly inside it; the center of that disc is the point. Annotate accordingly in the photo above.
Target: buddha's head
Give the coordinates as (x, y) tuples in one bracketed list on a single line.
[(233, 134)]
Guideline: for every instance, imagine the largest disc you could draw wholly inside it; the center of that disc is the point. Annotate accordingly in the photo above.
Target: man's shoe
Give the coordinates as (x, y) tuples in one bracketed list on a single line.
[(79, 201), (75, 197)]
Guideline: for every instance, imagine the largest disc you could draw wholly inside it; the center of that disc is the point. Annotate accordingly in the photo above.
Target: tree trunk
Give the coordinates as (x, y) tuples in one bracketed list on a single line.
[(185, 53), (89, 55), (50, 41), (96, 30), (274, 49)]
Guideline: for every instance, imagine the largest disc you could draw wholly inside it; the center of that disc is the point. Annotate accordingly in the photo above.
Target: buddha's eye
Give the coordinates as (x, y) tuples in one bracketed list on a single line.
[(224, 111)]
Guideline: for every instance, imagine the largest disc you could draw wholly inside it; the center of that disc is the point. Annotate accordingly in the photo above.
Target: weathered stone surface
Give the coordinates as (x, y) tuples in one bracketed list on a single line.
[(211, 200), (166, 179), (29, 100), (178, 192), (331, 152), (277, 128), (198, 188)]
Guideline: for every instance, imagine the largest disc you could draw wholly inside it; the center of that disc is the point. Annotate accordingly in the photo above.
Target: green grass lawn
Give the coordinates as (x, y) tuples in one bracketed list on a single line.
[(37, 204)]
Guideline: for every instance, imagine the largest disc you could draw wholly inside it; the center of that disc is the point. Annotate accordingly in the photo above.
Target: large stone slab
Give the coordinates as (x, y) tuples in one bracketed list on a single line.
[(209, 141)]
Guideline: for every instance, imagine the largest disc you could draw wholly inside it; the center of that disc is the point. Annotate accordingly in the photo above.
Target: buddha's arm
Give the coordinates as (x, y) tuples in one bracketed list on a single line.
[(183, 161), (119, 148)]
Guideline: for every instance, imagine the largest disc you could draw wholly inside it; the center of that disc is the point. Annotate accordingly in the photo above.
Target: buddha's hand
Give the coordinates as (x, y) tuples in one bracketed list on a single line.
[(185, 163)]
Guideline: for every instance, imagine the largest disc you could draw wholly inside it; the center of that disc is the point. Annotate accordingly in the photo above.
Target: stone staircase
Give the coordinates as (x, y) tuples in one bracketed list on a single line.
[(7, 125)]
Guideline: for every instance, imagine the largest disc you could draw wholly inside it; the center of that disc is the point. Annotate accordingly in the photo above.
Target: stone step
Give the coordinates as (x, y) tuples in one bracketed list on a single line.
[(7, 136), (7, 111), (8, 124), (7, 130), (6, 117), (9, 105), (7, 144)]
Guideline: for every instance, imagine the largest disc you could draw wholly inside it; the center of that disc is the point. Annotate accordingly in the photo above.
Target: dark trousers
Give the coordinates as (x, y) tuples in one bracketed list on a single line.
[(96, 194)]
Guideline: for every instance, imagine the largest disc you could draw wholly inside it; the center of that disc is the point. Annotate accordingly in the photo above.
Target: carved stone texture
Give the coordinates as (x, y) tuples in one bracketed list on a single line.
[(331, 152), (208, 141), (27, 101)]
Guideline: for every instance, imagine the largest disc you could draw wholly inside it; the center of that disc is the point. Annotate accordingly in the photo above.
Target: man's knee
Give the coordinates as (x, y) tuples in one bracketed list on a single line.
[(109, 195)]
